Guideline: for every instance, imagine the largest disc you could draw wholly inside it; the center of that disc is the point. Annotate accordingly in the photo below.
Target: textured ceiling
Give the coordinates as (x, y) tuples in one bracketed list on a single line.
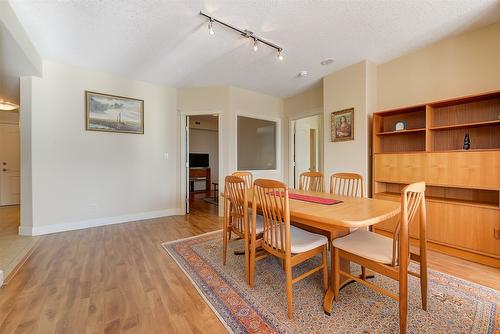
[(167, 41)]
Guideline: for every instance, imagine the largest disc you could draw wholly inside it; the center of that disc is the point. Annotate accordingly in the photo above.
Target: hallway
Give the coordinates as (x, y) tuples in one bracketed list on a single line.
[(13, 247)]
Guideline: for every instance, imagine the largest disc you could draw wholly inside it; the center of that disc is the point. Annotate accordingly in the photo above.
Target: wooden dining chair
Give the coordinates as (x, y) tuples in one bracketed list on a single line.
[(389, 256), (312, 181), (236, 217), (289, 243), (247, 176), (347, 184)]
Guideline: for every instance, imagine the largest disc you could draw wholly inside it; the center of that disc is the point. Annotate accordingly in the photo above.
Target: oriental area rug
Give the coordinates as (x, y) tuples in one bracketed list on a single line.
[(454, 305)]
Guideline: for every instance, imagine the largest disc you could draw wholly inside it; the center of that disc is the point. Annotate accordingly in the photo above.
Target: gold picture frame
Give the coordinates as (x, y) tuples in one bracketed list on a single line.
[(342, 125), (112, 113)]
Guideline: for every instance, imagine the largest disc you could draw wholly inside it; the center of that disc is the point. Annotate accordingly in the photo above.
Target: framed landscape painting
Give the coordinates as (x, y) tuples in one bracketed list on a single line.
[(342, 126), (113, 113)]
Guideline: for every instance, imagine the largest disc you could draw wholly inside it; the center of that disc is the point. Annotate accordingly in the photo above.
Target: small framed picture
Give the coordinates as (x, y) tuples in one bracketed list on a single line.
[(400, 126), (342, 125)]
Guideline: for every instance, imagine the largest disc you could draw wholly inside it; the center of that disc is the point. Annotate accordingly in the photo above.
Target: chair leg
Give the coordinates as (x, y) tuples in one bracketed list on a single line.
[(363, 273), (289, 291), (336, 273), (423, 281), (224, 245), (251, 266), (403, 304), (247, 258), (325, 268)]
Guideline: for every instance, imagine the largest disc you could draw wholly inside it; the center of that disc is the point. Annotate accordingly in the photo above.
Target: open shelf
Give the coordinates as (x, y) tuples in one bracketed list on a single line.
[(401, 132), (466, 125), (452, 139), (447, 200), (462, 196)]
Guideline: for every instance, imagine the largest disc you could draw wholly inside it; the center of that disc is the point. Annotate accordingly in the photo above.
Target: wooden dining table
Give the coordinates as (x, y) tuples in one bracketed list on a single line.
[(336, 220)]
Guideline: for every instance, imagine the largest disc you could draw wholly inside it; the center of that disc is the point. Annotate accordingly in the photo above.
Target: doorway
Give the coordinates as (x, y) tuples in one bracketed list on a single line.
[(13, 247), (202, 168), (10, 178), (306, 146)]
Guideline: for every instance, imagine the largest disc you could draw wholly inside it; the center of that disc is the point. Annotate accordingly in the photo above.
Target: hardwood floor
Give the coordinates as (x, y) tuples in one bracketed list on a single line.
[(13, 247), (118, 279)]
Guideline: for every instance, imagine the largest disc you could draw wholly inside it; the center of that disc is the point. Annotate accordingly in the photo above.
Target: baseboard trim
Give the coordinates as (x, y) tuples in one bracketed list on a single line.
[(1, 278), (55, 228)]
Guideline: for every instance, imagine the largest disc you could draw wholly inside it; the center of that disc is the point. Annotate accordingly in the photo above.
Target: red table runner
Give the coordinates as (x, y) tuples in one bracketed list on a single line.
[(314, 199)]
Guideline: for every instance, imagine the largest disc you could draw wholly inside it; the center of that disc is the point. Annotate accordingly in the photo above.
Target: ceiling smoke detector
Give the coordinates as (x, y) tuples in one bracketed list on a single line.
[(303, 74), (327, 61)]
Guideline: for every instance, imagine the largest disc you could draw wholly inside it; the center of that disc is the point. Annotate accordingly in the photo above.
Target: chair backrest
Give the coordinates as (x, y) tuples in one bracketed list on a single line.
[(347, 184), (412, 199), (272, 196), (235, 192), (312, 181), (247, 176)]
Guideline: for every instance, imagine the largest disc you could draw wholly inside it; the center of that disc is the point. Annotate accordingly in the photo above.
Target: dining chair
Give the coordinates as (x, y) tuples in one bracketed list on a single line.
[(312, 181), (289, 243), (347, 184), (352, 185), (236, 217), (389, 256), (247, 176)]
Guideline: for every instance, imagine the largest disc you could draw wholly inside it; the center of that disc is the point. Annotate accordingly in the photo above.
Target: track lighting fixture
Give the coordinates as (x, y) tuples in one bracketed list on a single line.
[(245, 33)]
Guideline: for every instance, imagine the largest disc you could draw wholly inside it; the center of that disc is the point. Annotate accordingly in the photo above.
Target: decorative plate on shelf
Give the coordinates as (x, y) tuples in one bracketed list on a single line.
[(400, 126)]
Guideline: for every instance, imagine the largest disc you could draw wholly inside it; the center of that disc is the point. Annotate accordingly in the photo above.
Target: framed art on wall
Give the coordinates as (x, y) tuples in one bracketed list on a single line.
[(342, 125), (110, 113)]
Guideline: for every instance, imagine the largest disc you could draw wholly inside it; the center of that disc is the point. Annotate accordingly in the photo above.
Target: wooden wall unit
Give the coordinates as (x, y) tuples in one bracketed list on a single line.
[(463, 186)]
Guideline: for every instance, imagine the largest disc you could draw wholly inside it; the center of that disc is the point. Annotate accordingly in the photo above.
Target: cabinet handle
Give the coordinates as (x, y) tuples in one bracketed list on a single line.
[(497, 233)]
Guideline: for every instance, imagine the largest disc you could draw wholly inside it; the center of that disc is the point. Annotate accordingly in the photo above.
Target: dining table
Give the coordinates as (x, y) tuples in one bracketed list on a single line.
[(336, 220)]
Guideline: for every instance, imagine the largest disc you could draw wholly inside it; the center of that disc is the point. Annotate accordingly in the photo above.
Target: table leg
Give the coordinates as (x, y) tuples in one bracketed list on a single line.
[(329, 295), (344, 281)]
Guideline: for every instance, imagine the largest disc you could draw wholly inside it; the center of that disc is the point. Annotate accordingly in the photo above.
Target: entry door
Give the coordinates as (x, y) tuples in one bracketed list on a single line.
[(10, 181)]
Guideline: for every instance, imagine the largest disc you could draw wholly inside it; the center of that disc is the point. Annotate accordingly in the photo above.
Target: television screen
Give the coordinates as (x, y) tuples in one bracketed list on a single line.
[(198, 160)]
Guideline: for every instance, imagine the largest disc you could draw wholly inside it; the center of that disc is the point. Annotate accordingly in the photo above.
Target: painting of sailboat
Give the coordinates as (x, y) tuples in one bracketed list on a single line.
[(114, 113)]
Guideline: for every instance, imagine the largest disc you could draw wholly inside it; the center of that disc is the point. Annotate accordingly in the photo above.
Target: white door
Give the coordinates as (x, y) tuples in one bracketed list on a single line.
[(302, 153), (10, 184)]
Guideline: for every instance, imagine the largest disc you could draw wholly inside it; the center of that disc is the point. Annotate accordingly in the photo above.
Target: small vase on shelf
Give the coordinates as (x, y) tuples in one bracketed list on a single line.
[(466, 142)]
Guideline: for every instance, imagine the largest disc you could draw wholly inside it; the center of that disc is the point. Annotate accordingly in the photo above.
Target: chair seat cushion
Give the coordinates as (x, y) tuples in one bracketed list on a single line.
[(302, 241), (369, 245), (259, 224)]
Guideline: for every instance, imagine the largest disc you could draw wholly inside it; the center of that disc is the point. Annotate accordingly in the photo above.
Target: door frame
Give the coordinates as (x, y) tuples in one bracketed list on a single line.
[(291, 145), (184, 193)]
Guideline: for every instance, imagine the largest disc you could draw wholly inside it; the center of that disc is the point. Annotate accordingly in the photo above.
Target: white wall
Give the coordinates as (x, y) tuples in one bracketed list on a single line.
[(82, 178), (354, 86)]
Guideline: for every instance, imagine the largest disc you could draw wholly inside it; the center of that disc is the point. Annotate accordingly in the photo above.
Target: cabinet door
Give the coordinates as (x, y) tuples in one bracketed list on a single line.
[(399, 168), (463, 226), (464, 169)]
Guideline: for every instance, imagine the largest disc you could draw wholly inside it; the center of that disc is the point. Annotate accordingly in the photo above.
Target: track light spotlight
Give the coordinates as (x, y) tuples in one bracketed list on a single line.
[(210, 28), (255, 45), (280, 55)]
